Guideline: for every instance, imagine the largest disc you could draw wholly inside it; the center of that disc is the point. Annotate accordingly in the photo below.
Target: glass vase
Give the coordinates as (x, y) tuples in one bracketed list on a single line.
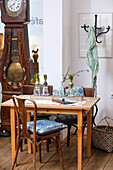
[(45, 90), (62, 89), (37, 89), (70, 90)]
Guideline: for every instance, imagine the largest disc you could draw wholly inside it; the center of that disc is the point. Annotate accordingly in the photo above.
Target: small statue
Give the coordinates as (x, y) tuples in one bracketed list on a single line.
[(35, 55), (35, 63)]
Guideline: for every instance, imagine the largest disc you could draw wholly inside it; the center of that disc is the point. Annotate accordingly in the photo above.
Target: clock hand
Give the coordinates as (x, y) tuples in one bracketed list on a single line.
[(12, 4)]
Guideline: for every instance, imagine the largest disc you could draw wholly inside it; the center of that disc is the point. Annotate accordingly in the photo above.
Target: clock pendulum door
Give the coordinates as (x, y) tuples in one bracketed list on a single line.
[(15, 72), (15, 69)]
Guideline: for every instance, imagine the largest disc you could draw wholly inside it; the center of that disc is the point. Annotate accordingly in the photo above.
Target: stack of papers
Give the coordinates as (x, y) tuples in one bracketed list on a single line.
[(50, 102)]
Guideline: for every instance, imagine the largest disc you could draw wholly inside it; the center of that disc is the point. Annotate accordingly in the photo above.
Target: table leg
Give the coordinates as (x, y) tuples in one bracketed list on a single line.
[(89, 133), (80, 125), (29, 143), (13, 132)]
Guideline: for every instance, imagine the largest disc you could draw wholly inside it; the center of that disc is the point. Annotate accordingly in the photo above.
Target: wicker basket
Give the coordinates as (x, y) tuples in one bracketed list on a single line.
[(102, 136)]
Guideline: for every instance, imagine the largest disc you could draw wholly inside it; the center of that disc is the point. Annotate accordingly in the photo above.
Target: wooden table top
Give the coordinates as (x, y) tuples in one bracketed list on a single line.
[(85, 103)]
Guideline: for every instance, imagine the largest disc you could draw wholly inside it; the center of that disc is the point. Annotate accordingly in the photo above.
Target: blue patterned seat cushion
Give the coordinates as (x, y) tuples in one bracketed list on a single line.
[(40, 114), (66, 117), (69, 117), (78, 91), (44, 127)]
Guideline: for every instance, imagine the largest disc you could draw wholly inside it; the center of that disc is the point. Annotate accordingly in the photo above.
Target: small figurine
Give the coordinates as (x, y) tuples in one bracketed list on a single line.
[(35, 63)]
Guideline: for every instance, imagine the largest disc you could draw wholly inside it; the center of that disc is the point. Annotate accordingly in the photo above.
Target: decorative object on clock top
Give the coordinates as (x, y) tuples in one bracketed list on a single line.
[(15, 68)]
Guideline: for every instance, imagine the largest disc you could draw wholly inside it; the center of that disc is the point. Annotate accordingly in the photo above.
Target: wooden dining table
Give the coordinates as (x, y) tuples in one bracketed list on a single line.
[(80, 107)]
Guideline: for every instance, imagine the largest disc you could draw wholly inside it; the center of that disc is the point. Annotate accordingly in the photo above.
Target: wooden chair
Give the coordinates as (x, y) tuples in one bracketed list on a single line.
[(35, 131), (71, 120), (28, 90)]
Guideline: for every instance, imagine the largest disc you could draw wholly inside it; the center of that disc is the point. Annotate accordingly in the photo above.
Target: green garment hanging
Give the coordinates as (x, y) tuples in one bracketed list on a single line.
[(92, 57)]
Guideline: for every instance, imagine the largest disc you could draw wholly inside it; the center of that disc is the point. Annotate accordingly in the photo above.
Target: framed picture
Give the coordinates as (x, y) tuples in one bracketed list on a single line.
[(103, 20)]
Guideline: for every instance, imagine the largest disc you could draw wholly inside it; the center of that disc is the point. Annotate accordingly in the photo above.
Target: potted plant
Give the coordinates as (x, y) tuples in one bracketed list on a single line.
[(45, 79), (70, 77), (45, 86), (37, 85)]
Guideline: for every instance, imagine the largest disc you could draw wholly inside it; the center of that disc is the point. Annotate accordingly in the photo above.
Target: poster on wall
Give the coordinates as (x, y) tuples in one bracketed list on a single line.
[(35, 29), (103, 20)]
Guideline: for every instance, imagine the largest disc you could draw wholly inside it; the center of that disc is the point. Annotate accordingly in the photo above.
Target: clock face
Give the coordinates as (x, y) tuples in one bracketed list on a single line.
[(13, 7)]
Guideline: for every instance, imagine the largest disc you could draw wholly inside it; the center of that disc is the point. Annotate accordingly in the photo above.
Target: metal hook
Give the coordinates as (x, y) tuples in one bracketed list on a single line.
[(96, 29)]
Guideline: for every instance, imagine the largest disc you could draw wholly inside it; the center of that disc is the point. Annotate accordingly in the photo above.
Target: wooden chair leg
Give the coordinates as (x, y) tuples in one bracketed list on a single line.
[(56, 144), (16, 154), (68, 135), (21, 145), (49, 141), (25, 141), (39, 150), (34, 155), (60, 152), (75, 131), (47, 145)]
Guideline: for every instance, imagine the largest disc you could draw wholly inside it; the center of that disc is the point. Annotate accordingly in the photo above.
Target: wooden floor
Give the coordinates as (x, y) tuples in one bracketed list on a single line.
[(99, 160)]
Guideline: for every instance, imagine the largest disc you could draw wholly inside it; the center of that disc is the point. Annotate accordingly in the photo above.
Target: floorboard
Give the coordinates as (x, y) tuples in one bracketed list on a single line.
[(99, 159)]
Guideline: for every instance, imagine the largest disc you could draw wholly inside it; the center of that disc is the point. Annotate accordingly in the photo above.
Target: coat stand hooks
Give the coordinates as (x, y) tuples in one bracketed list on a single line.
[(98, 30)]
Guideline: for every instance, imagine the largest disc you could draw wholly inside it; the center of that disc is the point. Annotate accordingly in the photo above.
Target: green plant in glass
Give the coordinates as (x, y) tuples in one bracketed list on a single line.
[(45, 79), (37, 85), (71, 79), (45, 86), (36, 76)]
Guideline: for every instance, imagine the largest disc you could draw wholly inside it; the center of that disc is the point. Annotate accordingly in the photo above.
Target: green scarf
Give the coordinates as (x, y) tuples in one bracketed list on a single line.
[(92, 57)]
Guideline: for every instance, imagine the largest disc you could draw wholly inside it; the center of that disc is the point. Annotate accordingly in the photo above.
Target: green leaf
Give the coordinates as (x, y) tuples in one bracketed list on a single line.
[(36, 77), (71, 77), (45, 77)]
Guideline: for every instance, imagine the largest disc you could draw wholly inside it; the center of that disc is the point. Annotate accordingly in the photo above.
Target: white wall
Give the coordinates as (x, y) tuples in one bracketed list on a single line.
[(35, 29), (52, 30), (105, 74), (61, 41), (66, 35), (56, 31)]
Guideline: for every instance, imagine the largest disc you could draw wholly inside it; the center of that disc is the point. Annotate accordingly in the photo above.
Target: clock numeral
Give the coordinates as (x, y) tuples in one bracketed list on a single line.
[(17, 7)]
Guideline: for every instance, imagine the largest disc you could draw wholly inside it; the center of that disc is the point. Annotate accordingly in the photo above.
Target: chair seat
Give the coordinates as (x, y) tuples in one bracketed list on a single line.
[(69, 117), (40, 115), (44, 127)]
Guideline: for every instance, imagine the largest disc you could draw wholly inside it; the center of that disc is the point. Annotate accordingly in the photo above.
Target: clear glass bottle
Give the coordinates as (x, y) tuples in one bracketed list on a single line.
[(45, 89), (70, 90), (45, 85), (62, 89), (37, 89)]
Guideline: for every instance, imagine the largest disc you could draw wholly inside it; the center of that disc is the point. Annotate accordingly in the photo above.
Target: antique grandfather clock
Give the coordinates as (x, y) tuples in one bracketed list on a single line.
[(15, 69)]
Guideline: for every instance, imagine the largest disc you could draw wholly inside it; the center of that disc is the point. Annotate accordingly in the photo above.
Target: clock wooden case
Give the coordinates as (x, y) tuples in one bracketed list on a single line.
[(15, 70)]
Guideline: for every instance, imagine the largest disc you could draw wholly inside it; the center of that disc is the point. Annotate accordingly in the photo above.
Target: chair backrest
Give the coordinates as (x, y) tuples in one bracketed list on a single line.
[(21, 114), (28, 89), (89, 92)]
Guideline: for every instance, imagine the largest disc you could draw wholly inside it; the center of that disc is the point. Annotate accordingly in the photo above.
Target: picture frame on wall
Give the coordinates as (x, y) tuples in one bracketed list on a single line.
[(103, 20)]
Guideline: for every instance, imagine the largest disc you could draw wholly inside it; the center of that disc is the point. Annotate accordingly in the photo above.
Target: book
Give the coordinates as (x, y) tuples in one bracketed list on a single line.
[(64, 100)]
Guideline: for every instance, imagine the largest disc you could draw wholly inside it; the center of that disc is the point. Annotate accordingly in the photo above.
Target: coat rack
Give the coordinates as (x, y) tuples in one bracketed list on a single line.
[(98, 30)]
